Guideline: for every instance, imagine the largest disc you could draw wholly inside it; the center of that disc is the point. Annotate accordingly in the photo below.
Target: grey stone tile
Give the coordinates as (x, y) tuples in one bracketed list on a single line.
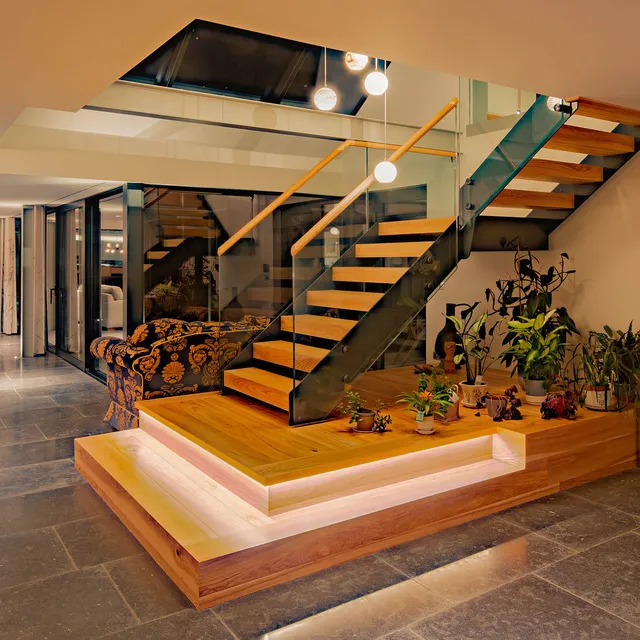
[(80, 426), (444, 547), (94, 409), (287, 603), (621, 491), (607, 575), (7, 396), (97, 540), (147, 589), (80, 397), (22, 383), (10, 403), (75, 606), (20, 416), (17, 435), (48, 389), (403, 634), (31, 555), (47, 508), (187, 625), (64, 377), (26, 374), (490, 569), (38, 477), (528, 609), (20, 455)]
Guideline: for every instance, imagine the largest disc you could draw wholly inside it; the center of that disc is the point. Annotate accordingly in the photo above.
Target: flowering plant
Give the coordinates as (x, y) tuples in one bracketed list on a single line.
[(428, 402)]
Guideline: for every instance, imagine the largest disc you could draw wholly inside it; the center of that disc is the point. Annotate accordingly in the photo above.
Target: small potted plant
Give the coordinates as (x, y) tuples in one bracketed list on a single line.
[(436, 382), (475, 341), (495, 402), (537, 352), (426, 405), (361, 417), (560, 404)]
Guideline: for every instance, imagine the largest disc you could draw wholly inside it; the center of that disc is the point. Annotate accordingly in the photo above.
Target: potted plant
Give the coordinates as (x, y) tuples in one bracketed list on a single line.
[(611, 368), (475, 340), (538, 353), (363, 418), (507, 406), (438, 383), (561, 404), (426, 405), (496, 403)]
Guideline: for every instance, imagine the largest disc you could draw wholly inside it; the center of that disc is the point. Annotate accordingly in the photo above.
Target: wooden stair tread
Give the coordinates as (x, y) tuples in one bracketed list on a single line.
[(590, 142), (260, 384), (384, 275), (607, 111), (352, 300), (392, 249), (172, 242), (281, 352), (420, 226), (147, 266), (191, 232), (156, 255), (318, 326), (521, 199), (561, 172)]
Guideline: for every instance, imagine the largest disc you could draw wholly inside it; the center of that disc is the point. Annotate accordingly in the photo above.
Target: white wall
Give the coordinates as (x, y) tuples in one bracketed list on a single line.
[(602, 239)]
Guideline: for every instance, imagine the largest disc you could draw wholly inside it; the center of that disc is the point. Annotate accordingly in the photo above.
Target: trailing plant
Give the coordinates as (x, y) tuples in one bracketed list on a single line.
[(475, 341), (537, 351), (353, 405), (427, 402), (527, 293), (511, 410), (561, 404)]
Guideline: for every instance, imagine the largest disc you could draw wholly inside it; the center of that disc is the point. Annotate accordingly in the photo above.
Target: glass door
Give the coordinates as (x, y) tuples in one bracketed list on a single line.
[(50, 281)]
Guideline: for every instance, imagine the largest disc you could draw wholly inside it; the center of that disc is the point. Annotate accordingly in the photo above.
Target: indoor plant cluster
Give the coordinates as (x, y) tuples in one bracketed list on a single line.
[(361, 417)]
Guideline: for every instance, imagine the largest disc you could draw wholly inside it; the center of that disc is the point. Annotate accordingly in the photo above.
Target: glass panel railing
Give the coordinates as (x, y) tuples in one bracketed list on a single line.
[(521, 142), (398, 223)]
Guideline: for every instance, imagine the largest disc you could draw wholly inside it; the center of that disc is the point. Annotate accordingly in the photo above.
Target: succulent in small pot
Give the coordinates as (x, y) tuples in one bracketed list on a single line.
[(363, 418), (426, 404)]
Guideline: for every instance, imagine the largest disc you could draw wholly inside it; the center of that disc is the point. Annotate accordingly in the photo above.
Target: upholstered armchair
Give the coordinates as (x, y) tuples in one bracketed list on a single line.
[(169, 358)]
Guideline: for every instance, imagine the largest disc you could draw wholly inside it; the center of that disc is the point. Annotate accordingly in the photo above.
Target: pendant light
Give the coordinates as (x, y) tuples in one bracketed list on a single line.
[(385, 171), (376, 82), (325, 98), (355, 61)]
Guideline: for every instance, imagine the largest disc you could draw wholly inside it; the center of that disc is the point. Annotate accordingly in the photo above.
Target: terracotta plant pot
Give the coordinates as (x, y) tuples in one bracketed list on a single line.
[(495, 404), (453, 412), (472, 394), (365, 421), (535, 391), (426, 427), (600, 399)]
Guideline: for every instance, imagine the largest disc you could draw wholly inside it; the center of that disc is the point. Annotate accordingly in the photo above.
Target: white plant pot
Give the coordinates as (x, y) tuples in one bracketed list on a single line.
[(600, 399), (535, 391), (426, 427), (472, 394)]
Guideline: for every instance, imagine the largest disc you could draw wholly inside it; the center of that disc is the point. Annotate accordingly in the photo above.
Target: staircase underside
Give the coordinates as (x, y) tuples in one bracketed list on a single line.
[(229, 499)]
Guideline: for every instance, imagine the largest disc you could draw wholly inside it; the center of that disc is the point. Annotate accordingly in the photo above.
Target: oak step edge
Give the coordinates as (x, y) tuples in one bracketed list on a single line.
[(260, 384), (392, 249), (281, 352), (381, 275), (349, 300), (318, 326), (419, 226)]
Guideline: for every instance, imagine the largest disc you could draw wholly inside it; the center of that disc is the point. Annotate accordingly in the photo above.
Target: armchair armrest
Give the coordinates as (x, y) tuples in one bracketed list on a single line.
[(115, 351)]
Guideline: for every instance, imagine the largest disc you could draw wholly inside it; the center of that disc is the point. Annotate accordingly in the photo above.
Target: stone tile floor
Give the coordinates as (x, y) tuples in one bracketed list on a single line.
[(564, 567)]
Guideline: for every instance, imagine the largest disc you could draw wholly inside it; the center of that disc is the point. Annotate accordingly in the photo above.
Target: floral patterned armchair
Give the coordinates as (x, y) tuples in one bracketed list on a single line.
[(169, 358)]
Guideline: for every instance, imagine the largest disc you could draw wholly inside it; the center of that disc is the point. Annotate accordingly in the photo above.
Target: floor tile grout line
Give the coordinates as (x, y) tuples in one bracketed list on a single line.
[(42, 432), (225, 625), (591, 546), (389, 564), (119, 592), (605, 505), (36, 580), (575, 595), (64, 546)]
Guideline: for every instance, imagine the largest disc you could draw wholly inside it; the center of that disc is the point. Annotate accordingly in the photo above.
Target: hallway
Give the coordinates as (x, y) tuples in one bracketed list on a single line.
[(563, 567)]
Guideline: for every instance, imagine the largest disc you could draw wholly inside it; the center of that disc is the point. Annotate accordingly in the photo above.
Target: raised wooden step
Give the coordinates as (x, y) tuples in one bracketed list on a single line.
[(383, 275), (392, 249), (318, 326), (172, 243), (518, 199), (334, 299), (156, 255), (607, 111), (147, 266), (421, 226), (260, 384), (191, 232), (590, 142), (281, 352), (561, 172)]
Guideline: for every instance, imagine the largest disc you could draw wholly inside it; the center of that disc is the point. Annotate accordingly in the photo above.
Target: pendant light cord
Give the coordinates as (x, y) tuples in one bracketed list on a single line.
[(325, 66), (385, 112)]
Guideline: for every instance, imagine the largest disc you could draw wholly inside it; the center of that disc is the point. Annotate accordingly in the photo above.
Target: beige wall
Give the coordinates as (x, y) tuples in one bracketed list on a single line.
[(602, 239)]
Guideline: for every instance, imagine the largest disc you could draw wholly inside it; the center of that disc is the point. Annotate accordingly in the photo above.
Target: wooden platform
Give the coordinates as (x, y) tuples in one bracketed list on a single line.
[(229, 499)]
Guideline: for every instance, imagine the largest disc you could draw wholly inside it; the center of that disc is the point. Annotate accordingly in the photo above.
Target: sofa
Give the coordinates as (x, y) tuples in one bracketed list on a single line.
[(168, 357), (112, 307)]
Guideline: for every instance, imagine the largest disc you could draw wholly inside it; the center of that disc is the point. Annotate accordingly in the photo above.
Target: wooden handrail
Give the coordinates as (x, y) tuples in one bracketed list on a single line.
[(368, 181), (270, 208)]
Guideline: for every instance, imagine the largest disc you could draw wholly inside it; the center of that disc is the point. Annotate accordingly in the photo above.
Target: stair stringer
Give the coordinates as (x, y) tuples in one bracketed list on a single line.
[(320, 391)]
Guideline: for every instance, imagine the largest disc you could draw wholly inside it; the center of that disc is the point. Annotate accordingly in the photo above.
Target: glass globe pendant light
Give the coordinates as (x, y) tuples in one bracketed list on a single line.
[(376, 82), (355, 61), (385, 171), (325, 98)]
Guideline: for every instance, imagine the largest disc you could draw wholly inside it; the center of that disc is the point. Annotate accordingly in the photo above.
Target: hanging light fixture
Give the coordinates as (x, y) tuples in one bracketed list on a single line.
[(355, 61), (325, 98), (376, 82), (385, 171)]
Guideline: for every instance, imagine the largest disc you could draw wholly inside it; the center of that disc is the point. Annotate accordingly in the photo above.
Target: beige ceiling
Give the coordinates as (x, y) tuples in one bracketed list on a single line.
[(61, 54)]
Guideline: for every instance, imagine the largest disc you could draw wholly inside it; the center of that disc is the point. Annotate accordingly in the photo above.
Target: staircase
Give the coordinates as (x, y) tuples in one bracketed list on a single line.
[(347, 317)]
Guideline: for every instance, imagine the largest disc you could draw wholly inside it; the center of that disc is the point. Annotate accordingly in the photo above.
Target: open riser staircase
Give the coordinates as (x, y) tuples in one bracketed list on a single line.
[(344, 320)]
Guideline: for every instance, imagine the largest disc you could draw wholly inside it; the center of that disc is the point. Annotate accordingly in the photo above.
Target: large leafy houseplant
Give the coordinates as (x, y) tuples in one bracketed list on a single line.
[(538, 352), (526, 294)]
